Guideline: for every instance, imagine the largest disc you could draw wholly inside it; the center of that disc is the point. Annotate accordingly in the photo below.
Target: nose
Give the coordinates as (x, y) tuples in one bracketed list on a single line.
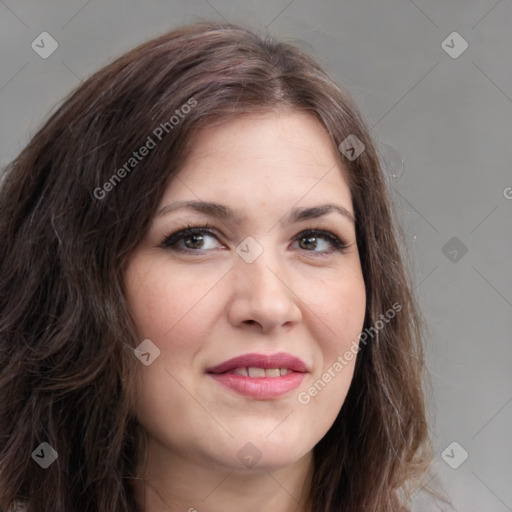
[(262, 296)]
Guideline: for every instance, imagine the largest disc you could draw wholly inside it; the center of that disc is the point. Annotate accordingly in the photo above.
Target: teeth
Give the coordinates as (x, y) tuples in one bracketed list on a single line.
[(260, 373), (256, 372)]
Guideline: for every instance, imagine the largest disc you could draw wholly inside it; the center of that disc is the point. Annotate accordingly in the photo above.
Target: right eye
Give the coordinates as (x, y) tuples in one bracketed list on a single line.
[(192, 239)]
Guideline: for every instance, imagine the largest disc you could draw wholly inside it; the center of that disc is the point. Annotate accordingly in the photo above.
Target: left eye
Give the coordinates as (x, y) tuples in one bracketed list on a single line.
[(319, 241)]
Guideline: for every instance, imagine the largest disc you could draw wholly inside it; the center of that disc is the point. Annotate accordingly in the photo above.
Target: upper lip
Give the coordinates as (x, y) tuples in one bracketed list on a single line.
[(279, 360)]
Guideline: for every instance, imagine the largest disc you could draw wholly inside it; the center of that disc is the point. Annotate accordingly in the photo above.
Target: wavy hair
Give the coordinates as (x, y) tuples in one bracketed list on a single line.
[(67, 369)]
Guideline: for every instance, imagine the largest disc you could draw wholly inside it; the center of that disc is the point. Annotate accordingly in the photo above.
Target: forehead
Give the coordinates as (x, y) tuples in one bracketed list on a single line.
[(280, 155)]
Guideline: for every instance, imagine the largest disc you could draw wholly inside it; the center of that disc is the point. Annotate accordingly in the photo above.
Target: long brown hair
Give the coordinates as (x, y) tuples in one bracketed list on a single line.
[(69, 221)]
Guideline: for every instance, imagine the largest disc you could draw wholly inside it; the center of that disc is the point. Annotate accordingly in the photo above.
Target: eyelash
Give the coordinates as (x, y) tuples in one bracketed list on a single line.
[(171, 240)]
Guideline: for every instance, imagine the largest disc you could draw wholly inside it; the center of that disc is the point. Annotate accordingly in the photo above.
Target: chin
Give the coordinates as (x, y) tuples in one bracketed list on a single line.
[(268, 454)]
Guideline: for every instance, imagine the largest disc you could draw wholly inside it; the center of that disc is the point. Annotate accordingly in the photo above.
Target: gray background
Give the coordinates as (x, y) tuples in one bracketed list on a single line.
[(443, 126)]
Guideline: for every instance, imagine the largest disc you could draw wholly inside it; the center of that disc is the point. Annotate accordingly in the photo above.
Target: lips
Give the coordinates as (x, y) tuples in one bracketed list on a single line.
[(280, 360), (259, 376)]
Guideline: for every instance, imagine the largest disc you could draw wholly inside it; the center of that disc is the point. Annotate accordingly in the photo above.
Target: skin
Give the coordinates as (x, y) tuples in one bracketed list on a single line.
[(204, 307)]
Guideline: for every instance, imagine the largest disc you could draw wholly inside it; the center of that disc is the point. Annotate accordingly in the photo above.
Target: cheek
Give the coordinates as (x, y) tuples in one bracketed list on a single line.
[(339, 322), (339, 312), (340, 309), (167, 303), (347, 321)]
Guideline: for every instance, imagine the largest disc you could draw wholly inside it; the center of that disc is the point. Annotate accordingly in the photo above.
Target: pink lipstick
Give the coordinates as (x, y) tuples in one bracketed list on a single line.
[(260, 376)]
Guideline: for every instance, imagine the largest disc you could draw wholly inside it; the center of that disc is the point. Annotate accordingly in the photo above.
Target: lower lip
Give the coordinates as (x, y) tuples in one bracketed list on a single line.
[(263, 387)]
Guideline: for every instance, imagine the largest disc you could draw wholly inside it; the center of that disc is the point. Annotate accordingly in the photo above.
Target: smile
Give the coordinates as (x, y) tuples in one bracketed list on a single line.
[(260, 373), (260, 376)]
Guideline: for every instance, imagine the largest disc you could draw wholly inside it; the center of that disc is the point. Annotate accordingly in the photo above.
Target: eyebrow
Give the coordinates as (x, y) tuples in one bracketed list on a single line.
[(214, 209), (222, 212), (313, 212)]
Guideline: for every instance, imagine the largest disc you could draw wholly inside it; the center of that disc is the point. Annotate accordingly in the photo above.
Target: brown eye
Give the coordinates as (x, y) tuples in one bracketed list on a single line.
[(318, 241), (308, 242), (193, 241), (197, 239)]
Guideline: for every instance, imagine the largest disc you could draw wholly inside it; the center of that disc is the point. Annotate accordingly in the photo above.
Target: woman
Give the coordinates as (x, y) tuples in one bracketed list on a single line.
[(203, 304)]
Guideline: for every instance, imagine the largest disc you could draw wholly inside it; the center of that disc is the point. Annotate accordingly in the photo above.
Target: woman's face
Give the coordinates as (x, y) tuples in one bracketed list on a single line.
[(258, 282)]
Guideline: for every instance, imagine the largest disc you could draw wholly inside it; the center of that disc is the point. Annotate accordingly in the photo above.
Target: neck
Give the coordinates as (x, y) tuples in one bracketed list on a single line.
[(171, 483)]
